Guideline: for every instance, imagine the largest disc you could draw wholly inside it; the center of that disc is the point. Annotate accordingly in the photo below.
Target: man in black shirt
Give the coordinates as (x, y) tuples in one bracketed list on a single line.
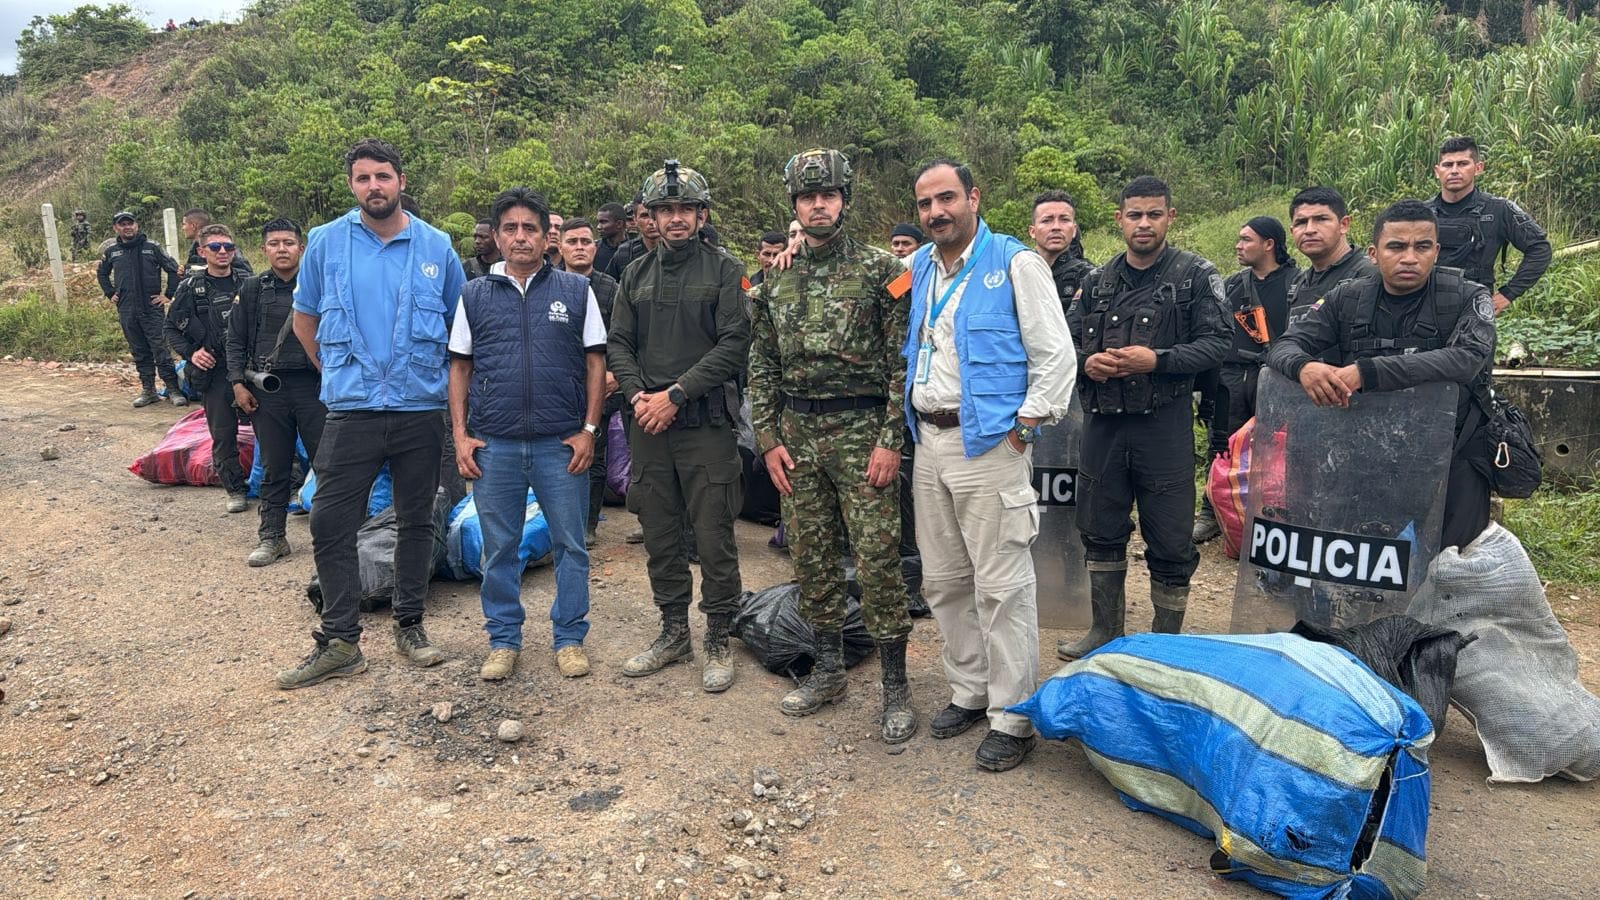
[(192, 224), (1475, 226), (639, 245), (1321, 227), (578, 251), (484, 252), (197, 330), (1257, 301), (767, 252), (259, 340), (611, 227), (1414, 323), (1054, 232)]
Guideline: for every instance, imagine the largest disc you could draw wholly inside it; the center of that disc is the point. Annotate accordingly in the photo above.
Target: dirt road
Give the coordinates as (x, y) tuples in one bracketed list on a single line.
[(143, 751)]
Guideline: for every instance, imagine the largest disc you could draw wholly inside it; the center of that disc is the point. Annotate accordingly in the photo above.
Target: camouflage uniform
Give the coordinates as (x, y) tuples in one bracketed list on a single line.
[(829, 328)]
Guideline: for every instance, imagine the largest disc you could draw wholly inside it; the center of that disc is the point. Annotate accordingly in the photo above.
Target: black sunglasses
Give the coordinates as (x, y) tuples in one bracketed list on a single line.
[(219, 246)]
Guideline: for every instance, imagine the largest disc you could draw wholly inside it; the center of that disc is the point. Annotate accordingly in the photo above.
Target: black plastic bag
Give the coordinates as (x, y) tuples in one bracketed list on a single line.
[(1415, 657), (770, 624), (375, 545)]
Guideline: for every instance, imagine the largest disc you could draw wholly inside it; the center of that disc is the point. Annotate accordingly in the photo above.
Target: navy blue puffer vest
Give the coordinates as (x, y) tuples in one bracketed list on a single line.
[(528, 358)]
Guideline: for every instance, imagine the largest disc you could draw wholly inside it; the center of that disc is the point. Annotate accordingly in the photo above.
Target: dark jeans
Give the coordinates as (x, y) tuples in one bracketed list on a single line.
[(293, 411), (222, 420), (693, 471), (1148, 459), (144, 324), (597, 477), (354, 446)]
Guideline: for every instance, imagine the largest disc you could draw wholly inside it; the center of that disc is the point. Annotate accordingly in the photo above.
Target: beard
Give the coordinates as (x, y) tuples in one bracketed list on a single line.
[(380, 207)]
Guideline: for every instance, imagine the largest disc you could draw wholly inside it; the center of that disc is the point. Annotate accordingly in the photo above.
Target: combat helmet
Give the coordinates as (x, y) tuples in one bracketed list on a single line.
[(818, 170), (675, 183)]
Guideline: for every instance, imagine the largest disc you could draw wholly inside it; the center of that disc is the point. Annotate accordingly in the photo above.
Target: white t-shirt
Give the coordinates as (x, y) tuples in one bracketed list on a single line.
[(594, 327)]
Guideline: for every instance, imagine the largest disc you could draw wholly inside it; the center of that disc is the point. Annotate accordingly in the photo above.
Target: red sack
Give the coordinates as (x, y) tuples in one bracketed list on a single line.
[(184, 455), (1230, 481)]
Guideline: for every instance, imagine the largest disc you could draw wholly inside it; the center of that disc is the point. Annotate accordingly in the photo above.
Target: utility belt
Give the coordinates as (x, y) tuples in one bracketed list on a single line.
[(822, 406), (1134, 394), (710, 410)]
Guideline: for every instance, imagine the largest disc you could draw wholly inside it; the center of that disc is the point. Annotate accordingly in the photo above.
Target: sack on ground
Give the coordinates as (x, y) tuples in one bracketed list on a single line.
[(375, 545), (258, 473), (1309, 771), (381, 498), (1414, 656), (1518, 681), (464, 540), (770, 624), (184, 455)]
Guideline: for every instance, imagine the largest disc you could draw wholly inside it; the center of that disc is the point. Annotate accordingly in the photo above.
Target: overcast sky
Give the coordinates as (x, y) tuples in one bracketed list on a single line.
[(16, 14)]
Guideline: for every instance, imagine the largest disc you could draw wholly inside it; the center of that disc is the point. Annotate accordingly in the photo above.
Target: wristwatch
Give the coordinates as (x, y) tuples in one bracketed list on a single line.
[(592, 429), (677, 396), (1026, 433)]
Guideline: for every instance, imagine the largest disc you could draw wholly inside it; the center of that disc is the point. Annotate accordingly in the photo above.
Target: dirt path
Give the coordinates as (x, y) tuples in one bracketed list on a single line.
[(143, 751)]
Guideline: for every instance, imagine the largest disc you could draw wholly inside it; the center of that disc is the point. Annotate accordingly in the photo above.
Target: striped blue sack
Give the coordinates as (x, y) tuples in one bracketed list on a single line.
[(1308, 770)]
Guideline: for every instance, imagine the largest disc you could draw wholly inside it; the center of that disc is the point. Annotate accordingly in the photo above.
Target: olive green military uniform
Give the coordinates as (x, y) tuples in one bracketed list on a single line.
[(827, 383), (679, 318)]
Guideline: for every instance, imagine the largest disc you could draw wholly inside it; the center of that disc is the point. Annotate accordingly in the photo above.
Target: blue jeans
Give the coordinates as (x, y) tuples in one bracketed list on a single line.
[(510, 468)]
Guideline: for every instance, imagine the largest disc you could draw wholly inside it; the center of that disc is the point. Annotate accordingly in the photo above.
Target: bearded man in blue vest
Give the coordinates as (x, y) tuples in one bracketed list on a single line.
[(527, 377), (990, 360), (372, 306)]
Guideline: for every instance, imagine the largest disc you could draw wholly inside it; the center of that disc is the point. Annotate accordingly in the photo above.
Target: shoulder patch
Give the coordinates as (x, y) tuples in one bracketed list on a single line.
[(900, 285), (744, 283), (1484, 306)]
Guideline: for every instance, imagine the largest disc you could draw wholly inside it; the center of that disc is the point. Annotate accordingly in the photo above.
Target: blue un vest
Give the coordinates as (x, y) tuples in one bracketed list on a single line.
[(417, 377), (528, 360), (994, 365)]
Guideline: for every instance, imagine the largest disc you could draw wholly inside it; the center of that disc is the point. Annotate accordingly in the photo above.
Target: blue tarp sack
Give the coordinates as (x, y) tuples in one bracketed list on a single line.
[(381, 498), (185, 383), (1309, 771), (463, 555), (258, 473)]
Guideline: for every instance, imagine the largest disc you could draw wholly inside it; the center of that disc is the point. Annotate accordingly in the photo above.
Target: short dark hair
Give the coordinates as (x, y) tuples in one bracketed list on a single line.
[(962, 172), (1317, 195), (282, 224), (774, 237), (1404, 211), (576, 223), (527, 198), (488, 222), (409, 203), (1459, 144), (373, 149), (1044, 197), (215, 229), (198, 214), (1146, 186), (614, 210)]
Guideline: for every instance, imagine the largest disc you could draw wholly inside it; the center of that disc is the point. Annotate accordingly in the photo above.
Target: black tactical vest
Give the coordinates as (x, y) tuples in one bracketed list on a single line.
[(1150, 316), (1445, 303)]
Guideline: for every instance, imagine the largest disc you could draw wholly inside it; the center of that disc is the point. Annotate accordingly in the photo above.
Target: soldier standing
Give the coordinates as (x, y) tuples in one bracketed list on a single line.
[(80, 233), (1146, 323), (680, 335), (1475, 226), (826, 396)]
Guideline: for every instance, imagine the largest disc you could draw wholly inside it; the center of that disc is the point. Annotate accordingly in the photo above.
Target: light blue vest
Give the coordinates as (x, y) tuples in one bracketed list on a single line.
[(994, 365)]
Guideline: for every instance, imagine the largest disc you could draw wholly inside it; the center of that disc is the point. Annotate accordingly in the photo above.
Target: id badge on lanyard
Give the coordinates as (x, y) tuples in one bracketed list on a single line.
[(924, 361), (925, 348)]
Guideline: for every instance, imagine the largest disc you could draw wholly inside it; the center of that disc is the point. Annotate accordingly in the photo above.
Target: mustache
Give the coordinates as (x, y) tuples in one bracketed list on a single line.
[(935, 223)]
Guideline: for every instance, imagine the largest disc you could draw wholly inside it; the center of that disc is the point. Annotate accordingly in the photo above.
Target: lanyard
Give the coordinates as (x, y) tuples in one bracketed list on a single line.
[(959, 280)]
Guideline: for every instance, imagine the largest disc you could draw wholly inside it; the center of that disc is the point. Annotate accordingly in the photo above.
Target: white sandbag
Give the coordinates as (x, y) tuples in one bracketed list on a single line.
[(1518, 681)]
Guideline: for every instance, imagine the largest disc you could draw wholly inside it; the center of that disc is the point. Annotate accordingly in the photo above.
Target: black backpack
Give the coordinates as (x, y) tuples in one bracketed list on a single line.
[(1515, 465)]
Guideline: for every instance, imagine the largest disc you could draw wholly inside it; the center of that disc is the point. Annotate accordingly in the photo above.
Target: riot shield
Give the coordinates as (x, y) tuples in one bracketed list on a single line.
[(1063, 582), (1346, 506)]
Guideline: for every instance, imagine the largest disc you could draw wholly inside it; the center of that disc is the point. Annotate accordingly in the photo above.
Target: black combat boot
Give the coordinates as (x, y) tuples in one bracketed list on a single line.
[(899, 718), (1108, 598), (669, 646), (827, 681), (716, 675), (1170, 602)]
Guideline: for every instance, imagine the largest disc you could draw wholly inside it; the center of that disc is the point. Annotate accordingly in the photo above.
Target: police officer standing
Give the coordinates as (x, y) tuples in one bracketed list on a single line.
[(1320, 223), (130, 276), (261, 340), (578, 253), (1257, 298), (197, 330), (826, 398), (1413, 324), (1054, 231), (680, 333), (193, 226), (1147, 323), (1475, 226)]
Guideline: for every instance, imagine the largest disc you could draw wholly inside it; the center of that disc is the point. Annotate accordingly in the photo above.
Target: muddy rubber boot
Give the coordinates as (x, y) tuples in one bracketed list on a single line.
[(827, 681), (1109, 601), (146, 397), (1170, 602), (899, 718), (1205, 525), (671, 645), (716, 675)]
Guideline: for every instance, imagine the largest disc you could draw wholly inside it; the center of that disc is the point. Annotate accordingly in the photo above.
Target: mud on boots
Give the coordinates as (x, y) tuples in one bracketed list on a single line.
[(671, 645), (1169, 601), (899, 718), (1109, 603), (827, 681)]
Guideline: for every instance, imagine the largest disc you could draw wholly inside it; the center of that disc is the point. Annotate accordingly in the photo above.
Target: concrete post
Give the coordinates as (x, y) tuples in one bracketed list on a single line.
[(52, 244), (169, 222)]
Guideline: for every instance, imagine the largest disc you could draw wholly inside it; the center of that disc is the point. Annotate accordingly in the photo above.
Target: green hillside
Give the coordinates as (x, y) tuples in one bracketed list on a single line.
[(1235, 102)]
